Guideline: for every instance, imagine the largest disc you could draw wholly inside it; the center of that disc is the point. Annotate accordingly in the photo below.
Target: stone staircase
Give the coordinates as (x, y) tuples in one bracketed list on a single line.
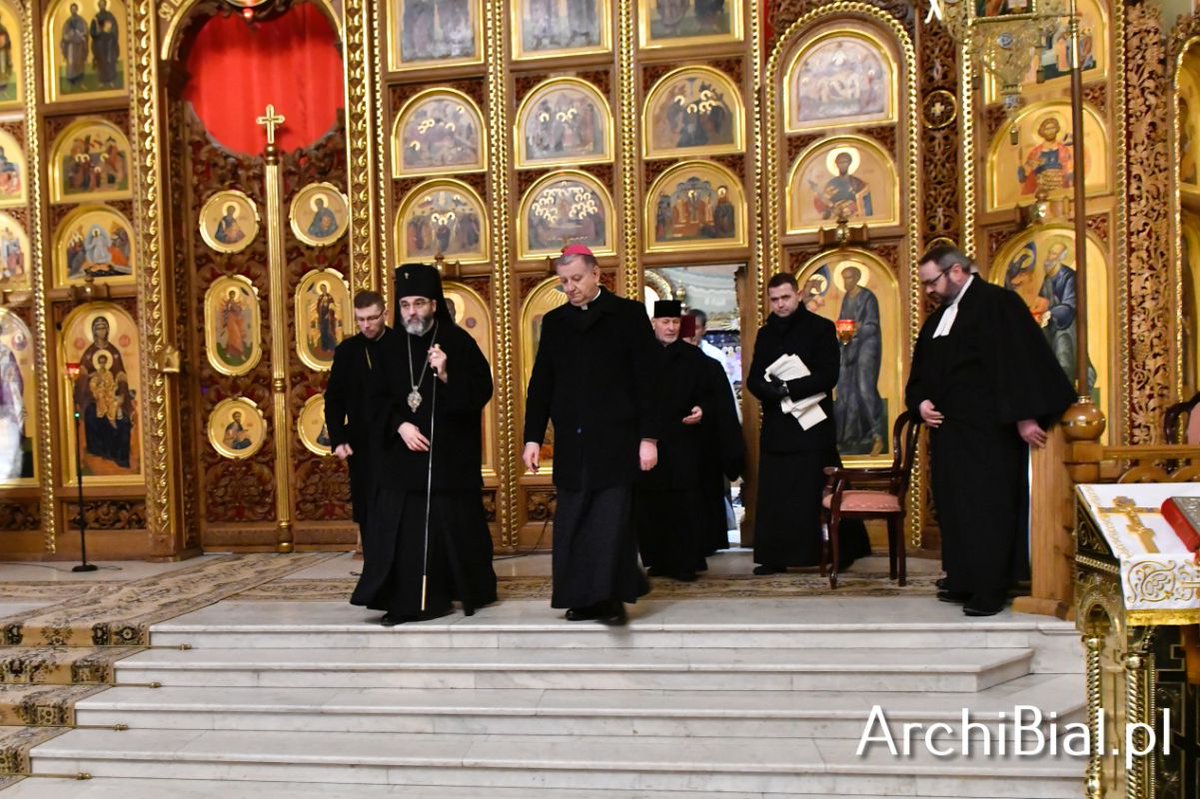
[(706, 698)]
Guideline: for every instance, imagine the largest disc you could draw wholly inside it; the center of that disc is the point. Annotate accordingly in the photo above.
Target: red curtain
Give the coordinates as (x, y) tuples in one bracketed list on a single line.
[(293, 62)]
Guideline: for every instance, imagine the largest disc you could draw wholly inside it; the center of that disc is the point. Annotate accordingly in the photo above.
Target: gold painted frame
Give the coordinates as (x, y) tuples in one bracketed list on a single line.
[(517, 23), (1063, 107), (305, 200), (79, 222), (394, 21), (832, 144), (603, 115), (577, 178), (215, 208), (311, 416), (737, 109), (132, 357), (252, 421), (10, 148), (459, 296), (399, 228), (60, 152), (212, 343), (52, 52), (10, 225), (12, 19), (545, 297), (12, 329), (1179, 226), (647, 40), (410, 107), (718, 176), (342, 305), (864, 36)]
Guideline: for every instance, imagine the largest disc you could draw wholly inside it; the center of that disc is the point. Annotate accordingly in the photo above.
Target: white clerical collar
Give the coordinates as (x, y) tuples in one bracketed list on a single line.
[(951, 313), (584, 307)]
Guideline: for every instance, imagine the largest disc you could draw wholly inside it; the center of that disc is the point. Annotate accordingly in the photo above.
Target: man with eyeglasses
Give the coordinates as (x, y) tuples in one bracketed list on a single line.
[(355, 368), (987, 385)]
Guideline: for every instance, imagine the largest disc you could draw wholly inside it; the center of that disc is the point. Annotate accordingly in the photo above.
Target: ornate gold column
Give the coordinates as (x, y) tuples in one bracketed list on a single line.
[(507, 519), (627, 89), (279, 338), (363, 108)]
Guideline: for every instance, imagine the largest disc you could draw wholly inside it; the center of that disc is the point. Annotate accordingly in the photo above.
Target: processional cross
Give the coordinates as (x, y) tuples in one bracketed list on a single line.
[(271, 120)]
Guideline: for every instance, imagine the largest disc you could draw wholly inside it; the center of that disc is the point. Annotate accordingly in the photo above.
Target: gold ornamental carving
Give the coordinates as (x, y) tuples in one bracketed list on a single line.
[(364, 155), (630, 242)]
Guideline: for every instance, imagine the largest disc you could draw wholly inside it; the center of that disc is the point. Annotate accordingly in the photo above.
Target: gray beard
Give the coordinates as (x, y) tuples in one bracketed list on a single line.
[(418, 327)]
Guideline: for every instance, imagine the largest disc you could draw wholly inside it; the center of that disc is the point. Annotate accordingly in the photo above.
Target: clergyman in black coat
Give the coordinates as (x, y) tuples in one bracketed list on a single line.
[(595, 377), (427, 452), (355, 376), (986, 383), (792, 460)]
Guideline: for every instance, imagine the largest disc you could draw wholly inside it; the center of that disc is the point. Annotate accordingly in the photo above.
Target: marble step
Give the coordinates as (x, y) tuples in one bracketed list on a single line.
[(132, 788), (966, 670), (524, 711), (789, 766), (816, 624)]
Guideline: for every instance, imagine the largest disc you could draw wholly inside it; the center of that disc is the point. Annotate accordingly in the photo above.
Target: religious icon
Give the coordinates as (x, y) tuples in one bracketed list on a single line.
[(93, 241), (847, 177), (1187, 143), (320, 214), (89, 161), (14, 254), (103, 339), (858, 292), (13, 176), (567, 207), (840, 77), (548, 28), (563, 121), (323, 316), (669, 23), (1039, 267), (11, 77), (693, 111), (232, 325), (236, 428), (437, 131), (434, 33), (442, 217), (18, 401), (85, 50), (310, 426), (545, 297), (695, 205), (1042, 158), (229, 221)]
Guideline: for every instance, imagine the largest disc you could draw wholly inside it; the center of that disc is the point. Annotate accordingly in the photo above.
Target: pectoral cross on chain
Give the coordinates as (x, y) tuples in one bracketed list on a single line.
[(270, 120)]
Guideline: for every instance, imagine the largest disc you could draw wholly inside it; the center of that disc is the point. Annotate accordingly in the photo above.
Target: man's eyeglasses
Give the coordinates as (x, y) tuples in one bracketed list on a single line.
[(931, 282), (372, 318)]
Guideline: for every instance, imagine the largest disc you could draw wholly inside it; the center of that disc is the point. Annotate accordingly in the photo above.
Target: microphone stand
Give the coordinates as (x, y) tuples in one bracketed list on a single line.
[(83, 566)]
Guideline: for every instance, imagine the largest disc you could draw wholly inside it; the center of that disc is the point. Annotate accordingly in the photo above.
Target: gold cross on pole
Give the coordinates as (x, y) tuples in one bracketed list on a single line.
[(270, 120)]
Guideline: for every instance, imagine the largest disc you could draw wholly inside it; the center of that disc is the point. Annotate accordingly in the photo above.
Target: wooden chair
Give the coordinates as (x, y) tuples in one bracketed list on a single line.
[(880, 495), (1181, 425)]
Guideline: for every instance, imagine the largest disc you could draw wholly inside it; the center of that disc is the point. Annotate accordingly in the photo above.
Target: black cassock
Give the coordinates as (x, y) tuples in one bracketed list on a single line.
[(353, 380), (791, 478), (992, 370), (595, 377), (669, 501), (724, 457), (460, 547)]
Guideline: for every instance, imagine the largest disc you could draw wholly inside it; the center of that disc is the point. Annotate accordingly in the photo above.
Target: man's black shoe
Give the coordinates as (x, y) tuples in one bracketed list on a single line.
[(960, 597), (769, 569), (389, 620), (983, 607), (613, 613), (685, 577), (582, 614)]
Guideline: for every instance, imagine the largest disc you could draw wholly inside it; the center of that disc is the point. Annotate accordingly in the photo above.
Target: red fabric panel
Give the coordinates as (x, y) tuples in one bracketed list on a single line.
[(293, 62)]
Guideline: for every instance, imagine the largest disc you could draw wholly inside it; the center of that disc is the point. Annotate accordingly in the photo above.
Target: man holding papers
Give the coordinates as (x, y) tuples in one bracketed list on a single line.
[(795, 367)]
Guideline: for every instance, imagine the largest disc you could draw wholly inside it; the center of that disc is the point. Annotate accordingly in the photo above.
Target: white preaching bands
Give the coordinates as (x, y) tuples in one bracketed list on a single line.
[(947, 320)]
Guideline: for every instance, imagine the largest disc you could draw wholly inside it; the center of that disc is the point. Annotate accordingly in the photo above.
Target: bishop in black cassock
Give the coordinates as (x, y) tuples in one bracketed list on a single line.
[(595, 377), (427, 456), (986, 383), (355, 377)]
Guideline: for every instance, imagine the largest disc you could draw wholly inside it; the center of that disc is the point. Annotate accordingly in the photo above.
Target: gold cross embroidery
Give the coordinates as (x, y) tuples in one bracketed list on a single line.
[(270, 120), (1130, 510)]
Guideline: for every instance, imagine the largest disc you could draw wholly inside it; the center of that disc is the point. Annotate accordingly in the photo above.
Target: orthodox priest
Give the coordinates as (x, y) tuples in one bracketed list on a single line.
[(427, 541), (791, 476), (668, 503), (595, 377), (987, 384), (356, 374)]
